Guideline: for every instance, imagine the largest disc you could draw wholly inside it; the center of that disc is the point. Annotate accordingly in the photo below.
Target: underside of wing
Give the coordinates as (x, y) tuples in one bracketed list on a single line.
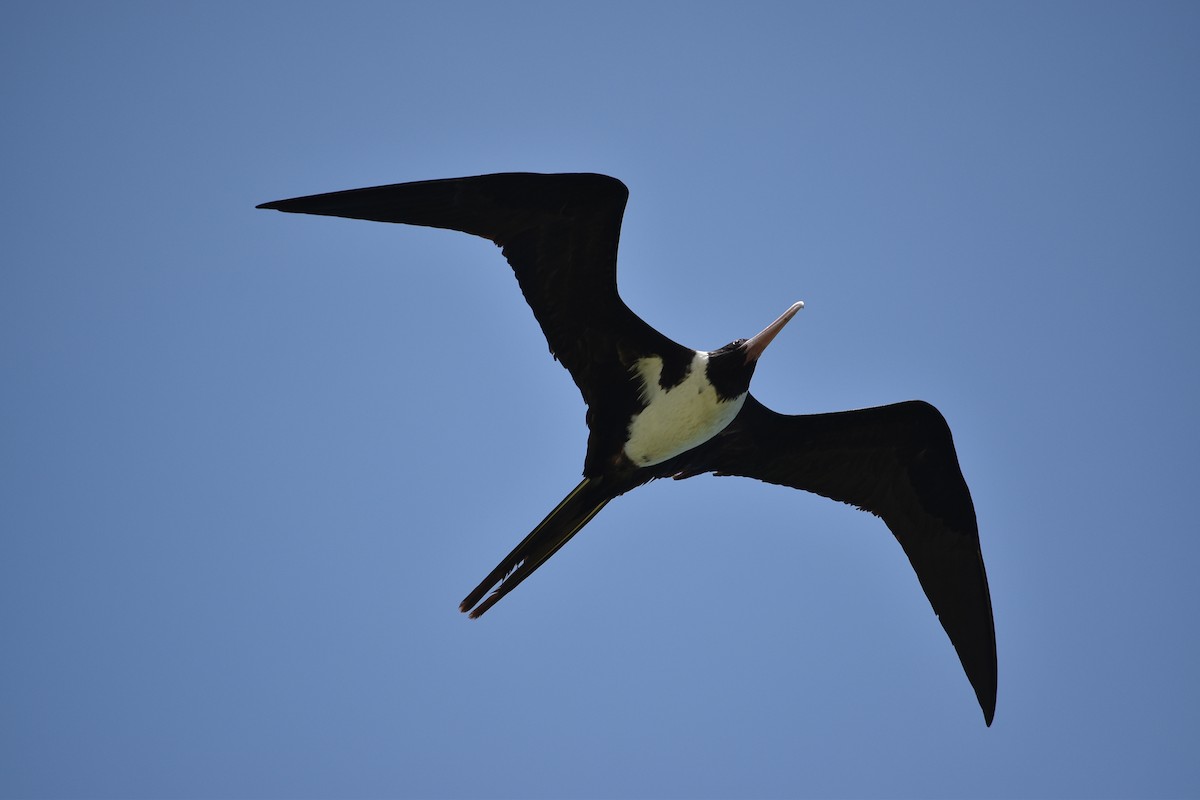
[(559, 233), (897, 462)]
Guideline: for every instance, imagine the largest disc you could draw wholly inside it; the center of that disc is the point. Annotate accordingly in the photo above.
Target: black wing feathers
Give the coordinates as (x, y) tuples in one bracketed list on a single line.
[(899, 463), (559, 233)]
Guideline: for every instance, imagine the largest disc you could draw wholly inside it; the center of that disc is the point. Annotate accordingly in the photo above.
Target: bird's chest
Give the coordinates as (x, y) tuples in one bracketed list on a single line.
[(678, 418)]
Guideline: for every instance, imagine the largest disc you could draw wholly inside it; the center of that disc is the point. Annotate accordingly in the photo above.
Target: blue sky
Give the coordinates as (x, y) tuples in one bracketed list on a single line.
[(245, 477)]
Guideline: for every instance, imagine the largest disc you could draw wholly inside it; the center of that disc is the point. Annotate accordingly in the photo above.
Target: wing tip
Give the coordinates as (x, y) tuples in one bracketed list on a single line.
[(987, 702)]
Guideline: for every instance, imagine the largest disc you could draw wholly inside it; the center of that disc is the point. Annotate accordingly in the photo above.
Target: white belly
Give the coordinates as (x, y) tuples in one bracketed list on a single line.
[(677, 419)]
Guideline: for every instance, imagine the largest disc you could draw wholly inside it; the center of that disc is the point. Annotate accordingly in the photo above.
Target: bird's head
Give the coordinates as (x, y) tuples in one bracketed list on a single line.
[(731, 367)]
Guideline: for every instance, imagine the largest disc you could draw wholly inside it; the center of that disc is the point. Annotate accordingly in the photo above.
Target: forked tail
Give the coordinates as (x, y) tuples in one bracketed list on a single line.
[(575, 511)]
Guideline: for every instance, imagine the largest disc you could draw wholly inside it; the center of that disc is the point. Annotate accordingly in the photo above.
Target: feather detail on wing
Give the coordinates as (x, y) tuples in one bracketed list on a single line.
[(897, 462)]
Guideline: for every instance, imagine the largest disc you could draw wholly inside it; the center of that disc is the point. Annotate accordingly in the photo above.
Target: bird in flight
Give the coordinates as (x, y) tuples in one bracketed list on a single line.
[(657, 409)]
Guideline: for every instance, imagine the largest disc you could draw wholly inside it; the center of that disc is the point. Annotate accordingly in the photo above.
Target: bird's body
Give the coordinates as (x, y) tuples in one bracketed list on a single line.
[(676, 418), (658, 409)]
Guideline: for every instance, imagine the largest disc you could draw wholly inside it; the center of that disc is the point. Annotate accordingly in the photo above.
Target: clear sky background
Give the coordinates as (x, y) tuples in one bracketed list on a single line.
[(250, 462)]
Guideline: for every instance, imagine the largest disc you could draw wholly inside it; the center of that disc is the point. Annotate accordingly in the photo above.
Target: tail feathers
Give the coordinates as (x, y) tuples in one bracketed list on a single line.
[(567, 519)]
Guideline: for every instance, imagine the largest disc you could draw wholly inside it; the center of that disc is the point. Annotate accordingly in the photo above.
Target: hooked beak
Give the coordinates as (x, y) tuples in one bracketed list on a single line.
[(756, 344)]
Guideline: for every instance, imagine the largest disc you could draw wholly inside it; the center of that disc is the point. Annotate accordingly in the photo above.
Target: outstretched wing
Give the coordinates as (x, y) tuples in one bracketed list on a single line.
[(559, 233), (899, 463)]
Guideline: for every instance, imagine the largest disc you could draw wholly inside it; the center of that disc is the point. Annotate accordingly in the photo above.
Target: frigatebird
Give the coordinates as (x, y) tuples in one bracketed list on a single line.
[(657, 409)]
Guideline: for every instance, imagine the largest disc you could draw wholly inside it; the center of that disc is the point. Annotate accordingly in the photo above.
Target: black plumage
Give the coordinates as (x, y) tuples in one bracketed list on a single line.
[(560, 233)]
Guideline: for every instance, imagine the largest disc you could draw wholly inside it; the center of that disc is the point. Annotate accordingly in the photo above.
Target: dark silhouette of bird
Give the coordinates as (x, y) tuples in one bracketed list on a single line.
[(657, 409)]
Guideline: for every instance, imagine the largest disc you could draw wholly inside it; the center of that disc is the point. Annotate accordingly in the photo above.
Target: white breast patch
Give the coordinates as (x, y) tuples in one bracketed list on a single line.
[(677, 419)]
